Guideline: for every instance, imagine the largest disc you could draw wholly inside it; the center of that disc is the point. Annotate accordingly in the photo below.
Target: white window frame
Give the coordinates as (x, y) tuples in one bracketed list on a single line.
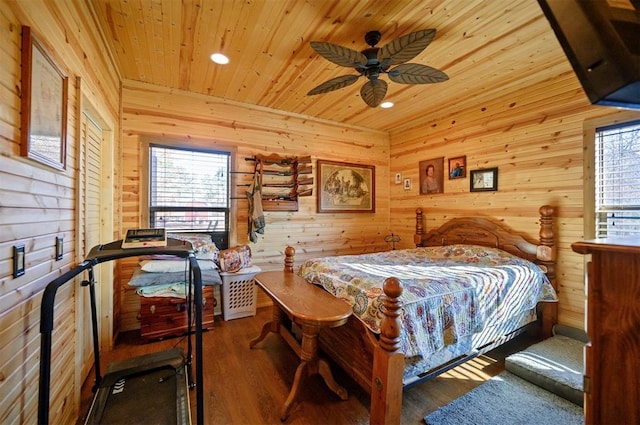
[(617, 182), (590, 179)]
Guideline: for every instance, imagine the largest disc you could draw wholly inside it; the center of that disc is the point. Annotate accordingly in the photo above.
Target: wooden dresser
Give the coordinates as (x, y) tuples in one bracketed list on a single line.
[(612, 358), (162, 316)]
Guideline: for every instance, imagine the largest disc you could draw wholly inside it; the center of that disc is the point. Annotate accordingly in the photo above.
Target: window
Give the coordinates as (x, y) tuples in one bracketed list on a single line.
[(189, 191), (617, 180)]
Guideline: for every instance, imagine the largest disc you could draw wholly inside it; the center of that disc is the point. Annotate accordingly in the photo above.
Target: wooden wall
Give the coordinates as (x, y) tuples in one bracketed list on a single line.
[(38, 203), (155, 112), (535, 137)]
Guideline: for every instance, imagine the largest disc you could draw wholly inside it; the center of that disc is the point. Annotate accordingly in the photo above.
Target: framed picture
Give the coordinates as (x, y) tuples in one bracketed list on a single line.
[(43, 105), (407, 184), (344, 187), (484, 180), (431, 176), (458, 167), (398, 178)]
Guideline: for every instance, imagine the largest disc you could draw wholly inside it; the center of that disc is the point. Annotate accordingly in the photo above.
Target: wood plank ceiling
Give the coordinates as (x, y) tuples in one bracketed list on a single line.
[(487, 48)]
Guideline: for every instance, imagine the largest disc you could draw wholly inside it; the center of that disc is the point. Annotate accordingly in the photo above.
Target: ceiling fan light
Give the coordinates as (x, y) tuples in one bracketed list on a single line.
[(386, 105), (219, 58)]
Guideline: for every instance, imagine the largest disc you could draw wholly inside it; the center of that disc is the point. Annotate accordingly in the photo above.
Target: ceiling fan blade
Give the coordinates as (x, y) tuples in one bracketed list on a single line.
[(373, 92), (339, 55), (334, 84), (407, 47), (414, 73)]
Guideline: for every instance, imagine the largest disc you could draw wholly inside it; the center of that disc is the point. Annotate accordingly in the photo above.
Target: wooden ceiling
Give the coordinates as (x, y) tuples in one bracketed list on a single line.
[(487, 48)]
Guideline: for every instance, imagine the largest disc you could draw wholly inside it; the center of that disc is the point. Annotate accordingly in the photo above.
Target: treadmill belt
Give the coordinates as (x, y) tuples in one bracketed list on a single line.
[(145, 398)]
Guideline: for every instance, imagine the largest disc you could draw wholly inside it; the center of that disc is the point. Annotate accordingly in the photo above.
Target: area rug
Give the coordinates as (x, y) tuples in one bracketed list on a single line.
[(507, 399), (554, 364)]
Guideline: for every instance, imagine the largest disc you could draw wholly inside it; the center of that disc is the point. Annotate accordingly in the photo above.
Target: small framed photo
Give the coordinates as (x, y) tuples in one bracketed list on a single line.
[(407, 184), (398, 178), (431, 178), (458, 167), (485, 180)]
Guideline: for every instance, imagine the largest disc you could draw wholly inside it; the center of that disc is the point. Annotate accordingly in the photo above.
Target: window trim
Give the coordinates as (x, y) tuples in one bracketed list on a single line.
[(589, 140), (192, 144)]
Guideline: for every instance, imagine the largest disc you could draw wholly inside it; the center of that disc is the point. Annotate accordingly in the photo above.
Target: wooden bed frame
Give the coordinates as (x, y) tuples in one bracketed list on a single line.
[(375, 362)]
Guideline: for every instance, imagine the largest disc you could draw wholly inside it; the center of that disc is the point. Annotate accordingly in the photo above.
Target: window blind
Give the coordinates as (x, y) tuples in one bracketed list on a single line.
[(617, 180), (189, 189)]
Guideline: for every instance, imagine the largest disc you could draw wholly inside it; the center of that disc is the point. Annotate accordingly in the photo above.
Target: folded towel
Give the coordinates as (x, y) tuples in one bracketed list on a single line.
[(170, 290)]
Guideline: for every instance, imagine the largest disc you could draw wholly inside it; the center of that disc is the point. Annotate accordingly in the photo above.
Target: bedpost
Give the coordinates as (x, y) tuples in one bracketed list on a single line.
[(289, 254), (388, 360), (547, 258), (417, 237)]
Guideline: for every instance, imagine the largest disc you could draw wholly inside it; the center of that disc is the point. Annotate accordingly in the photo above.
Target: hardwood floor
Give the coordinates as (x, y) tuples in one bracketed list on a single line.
[(249, 386)]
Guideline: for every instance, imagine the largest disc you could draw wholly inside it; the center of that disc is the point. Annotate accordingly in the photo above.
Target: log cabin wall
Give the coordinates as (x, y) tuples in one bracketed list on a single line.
[(534, 136), (157, 113), (38, 203)]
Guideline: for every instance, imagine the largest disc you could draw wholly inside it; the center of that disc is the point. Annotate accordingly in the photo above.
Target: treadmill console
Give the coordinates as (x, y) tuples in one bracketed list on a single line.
[(140, 238)]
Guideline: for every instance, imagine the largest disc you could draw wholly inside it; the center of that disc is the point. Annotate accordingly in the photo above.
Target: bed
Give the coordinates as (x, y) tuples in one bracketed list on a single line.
[(384, 349)]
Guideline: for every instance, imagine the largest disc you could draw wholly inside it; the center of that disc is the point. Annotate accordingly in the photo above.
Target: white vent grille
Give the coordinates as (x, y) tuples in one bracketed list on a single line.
[(239, 293)]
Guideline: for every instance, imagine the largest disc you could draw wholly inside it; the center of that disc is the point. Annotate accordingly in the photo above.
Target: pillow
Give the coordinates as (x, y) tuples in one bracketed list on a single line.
[(168, 266), (234, 259), (203, 247)]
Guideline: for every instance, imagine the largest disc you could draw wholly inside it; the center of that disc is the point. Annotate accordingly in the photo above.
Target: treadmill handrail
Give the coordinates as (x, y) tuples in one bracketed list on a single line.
[(49, 294)]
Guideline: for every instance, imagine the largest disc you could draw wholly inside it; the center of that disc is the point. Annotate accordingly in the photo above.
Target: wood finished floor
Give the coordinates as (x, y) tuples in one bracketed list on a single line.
[(249, 386)]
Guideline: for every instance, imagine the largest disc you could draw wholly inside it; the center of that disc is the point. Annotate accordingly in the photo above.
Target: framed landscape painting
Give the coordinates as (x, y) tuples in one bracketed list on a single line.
[(345, 187), (43, 111)]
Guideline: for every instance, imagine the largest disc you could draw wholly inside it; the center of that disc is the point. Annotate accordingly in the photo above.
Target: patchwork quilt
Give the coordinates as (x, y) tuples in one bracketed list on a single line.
[(449, 292)]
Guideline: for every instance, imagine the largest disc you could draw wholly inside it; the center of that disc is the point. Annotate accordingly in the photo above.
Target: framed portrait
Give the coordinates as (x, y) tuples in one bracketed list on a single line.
[(431, 178), (485, 180), (345, 187), (407, 184), (43, 105), (398, 178), (457, 167)]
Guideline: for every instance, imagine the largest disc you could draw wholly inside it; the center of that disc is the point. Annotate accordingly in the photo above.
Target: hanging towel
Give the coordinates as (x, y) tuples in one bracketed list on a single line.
[(256, 216)]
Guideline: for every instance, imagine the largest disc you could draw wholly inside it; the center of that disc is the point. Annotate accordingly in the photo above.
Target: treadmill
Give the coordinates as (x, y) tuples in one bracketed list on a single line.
[(153, 388)]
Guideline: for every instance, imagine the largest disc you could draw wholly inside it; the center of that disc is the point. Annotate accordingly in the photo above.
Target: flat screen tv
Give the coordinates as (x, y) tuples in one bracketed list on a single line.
[(602, 42)]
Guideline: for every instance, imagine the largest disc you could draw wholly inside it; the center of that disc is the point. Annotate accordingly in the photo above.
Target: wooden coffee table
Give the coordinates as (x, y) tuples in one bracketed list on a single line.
[(311, 308)]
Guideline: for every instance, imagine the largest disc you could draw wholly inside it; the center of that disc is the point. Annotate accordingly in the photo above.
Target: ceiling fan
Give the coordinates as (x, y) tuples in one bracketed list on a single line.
[(375, 61)]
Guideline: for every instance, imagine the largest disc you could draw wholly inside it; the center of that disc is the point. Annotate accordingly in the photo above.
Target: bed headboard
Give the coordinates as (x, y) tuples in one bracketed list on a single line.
[(486, 232)]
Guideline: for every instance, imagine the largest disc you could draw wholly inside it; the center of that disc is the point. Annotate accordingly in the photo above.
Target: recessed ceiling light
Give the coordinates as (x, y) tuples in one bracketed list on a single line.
[(386, 105), (219, 58)]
